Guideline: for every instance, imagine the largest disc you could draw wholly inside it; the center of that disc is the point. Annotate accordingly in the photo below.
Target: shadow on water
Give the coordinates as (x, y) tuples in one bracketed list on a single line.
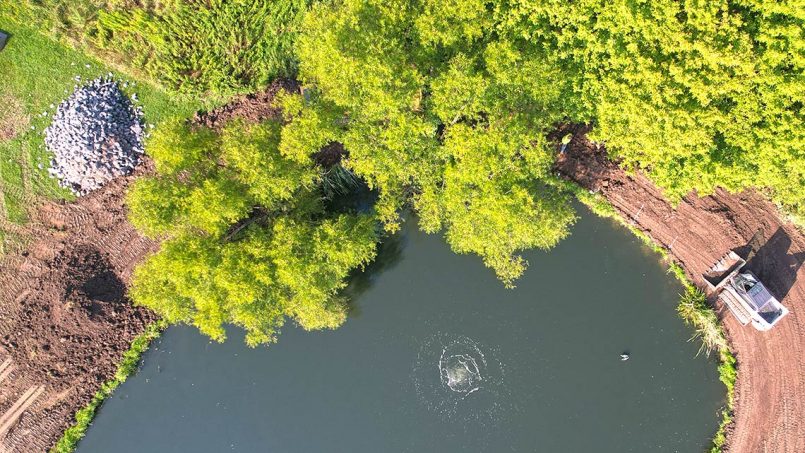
[(771, 261), (389, 253)]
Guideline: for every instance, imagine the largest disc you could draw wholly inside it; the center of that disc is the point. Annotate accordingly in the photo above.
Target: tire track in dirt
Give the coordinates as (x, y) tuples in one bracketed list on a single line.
[(770, 409), (65, 321), (16, 410)]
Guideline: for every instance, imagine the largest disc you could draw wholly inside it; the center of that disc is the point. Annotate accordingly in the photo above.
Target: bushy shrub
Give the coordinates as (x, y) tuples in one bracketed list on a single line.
[(215, 47)]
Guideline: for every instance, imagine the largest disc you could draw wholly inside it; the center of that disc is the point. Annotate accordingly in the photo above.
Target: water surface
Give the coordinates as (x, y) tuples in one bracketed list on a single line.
[(438, 357)]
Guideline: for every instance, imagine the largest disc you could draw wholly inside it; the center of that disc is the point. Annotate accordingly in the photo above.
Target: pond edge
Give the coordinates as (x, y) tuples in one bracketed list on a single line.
[(129, 365), (693, 308)]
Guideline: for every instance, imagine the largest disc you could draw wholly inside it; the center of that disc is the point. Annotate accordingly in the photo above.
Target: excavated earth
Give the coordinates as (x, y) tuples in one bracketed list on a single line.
[(65, 320), (770, 405)]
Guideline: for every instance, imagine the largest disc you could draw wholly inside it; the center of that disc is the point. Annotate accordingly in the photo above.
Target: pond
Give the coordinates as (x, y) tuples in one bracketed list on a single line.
[(438, 357)]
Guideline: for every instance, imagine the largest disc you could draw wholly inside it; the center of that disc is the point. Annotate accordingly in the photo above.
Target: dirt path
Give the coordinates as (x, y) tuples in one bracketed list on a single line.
[(770, 410)]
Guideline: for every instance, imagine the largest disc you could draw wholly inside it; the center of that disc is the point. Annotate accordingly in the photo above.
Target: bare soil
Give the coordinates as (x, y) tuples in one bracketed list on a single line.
[(770, 406), (65, 321), (250, 108)]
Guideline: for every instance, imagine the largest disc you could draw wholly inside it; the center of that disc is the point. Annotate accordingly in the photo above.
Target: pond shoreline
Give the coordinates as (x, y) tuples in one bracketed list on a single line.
[(695, 234), (638, 202)]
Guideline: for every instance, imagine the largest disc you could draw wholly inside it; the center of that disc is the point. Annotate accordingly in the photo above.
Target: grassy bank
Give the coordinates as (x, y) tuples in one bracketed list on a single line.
[(38, 73), (127, 367), (693, 308)]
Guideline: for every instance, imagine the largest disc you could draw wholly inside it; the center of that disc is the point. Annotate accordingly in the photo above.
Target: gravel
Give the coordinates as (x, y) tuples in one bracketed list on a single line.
[(96, 134)]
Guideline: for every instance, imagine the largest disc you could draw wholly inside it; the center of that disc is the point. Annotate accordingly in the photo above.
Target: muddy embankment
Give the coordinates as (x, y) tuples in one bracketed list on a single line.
[(770, 406), (65, 321)]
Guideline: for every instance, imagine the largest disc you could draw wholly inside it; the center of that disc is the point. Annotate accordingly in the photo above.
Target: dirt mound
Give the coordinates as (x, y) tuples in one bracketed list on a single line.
[(770, 410), (65, 321), (251, 108)]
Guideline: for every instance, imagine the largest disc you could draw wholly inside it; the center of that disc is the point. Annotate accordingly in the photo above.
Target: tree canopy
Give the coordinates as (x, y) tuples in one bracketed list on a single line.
[(247, 240), (443, 107), (438, 109), (698, 94)]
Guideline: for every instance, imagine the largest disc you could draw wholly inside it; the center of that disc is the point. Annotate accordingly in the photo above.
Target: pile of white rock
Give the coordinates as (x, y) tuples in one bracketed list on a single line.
[(96, 134)]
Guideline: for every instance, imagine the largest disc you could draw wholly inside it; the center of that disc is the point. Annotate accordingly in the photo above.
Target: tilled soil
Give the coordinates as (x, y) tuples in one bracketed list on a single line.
[(65, 321), (770, 409)]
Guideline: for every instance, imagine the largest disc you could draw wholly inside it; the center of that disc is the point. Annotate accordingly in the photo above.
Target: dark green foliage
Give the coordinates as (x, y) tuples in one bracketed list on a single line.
[(248, 241)]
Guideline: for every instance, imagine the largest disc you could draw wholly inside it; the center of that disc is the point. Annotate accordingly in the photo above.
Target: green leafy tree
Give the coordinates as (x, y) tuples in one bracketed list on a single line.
[(438, 110), (246, 238), (698, 94)]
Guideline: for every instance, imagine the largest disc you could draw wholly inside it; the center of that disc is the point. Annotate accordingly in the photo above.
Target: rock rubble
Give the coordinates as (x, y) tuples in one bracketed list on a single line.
[(96, 134)]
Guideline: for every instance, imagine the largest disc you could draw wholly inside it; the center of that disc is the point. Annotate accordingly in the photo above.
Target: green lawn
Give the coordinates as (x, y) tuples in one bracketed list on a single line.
[(40, 73)]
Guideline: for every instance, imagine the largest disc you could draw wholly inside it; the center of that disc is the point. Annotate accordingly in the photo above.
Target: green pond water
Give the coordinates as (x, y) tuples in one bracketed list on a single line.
[(438, 357)]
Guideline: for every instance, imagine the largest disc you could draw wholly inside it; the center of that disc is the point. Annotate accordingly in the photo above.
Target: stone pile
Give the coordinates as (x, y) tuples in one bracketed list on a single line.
[(96, 134)]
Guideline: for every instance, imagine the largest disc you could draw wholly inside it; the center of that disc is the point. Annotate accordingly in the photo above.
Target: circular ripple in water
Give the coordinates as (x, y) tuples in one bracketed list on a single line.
[(459, 379)]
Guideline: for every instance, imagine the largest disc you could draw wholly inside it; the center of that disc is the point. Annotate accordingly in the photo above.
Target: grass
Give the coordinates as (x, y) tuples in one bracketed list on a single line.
[(693, 307), (695, 311), (216, 48), (39, 73), (127, 367)]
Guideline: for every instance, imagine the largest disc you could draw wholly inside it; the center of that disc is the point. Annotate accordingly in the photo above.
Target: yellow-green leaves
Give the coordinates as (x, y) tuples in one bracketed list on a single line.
[(174, 147), (458, 93), (291, 268), (493, 203), (251, 151), (248, 242), (450, 22), (698, 94), (438, 107)]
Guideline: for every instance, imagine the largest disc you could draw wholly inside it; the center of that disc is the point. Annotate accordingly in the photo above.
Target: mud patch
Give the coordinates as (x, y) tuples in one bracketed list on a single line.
[(251, 108)]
